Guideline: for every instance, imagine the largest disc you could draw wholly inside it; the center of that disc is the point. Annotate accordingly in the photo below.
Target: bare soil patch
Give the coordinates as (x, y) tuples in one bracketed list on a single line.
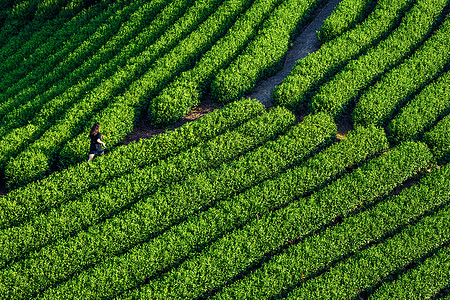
[(344, 123), (3, 189), (144, 130)]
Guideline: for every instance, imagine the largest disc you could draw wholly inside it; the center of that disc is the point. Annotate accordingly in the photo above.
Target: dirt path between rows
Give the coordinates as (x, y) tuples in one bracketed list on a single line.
[(303, 44)]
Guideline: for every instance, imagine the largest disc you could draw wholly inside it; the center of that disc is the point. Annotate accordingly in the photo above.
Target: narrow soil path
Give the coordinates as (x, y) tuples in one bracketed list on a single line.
[(303, 44), (145, 130), (3, 189)]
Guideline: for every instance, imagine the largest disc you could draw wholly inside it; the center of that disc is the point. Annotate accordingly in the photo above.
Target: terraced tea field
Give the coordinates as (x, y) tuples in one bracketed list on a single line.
[(321, 170)]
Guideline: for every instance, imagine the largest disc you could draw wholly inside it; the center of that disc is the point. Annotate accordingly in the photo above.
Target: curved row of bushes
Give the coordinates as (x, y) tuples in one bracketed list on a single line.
[(235, 252), (127, 83), (164, 208), (424, 282), (380, 102), (368, 267), (336, 94), (263, 56), (120, 192), (187, 90), (438, 139), (295, 90), (302, 261), (421, 112), (345, 16), (60, 187)]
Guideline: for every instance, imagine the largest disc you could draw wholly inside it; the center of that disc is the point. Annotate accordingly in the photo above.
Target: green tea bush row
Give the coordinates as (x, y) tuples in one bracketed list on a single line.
[(336, 94), (302, 261), (164, 208), (51, 104), (119, 118), (23, 11), (48, 47), (438, 139), (423, 282), (47, 9), (421, 112), (61, 187), (378, 104), (263, 56), (187, 90), (85, 44), (235, 252), (206, 226), (345, 16), (126, 81), (15, 142), (308, 73), (368, 267), (39, 10), (120, 192)]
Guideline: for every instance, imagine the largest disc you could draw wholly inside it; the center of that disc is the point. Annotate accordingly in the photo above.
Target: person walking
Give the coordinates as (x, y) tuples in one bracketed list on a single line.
[(95, 148)]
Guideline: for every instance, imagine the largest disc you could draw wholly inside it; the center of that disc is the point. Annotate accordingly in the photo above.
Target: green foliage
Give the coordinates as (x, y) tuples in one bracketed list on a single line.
[(368, 267), (125, 190), (317, 252), (213, 185), (59, 63), (264, 54), (438, 139), (345, 16), (26, 11), (358, 74), (186, 91), (73, 88), (423, 282), (421, 113), (238, 250), (379, 103), (50, 44), (15, 141), (180, 58), (68, 184), (188, 213), (31, 165), (308, 73), (23, 11), (79, 116), (165, 207)]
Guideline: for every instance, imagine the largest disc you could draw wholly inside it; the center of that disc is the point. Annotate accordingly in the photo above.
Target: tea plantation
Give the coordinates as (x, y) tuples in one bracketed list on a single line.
[(247, 201)]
